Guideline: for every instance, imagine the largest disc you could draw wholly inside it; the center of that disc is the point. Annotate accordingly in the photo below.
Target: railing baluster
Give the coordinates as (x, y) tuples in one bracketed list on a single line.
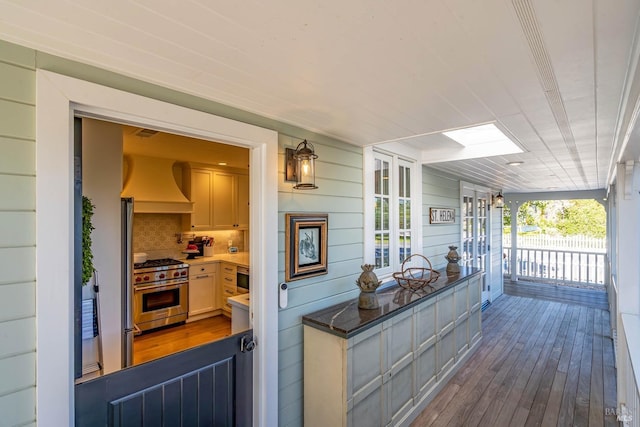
[(560, 264)]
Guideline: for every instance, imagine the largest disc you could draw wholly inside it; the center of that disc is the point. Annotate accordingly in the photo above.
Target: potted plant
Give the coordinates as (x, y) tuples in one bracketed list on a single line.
[(87, 228)]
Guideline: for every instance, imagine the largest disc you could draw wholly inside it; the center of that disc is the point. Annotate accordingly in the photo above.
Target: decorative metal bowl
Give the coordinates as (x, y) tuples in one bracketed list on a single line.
[(416, 276)]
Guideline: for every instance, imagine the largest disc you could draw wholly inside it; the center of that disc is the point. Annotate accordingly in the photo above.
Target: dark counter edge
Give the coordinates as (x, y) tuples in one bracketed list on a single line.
[(312, 320)]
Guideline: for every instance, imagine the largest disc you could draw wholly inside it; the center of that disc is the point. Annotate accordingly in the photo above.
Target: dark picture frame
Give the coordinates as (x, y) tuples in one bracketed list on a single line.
[(305, 245)]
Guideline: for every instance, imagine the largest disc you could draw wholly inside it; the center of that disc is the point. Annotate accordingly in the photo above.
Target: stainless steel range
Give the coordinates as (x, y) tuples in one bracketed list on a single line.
[(160, 293)]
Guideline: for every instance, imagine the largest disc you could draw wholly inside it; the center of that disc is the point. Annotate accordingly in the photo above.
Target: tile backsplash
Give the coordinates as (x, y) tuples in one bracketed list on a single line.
[(155, 234)]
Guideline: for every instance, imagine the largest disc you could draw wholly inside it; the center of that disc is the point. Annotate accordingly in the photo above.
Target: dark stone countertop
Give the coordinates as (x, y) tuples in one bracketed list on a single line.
[(346, 319)]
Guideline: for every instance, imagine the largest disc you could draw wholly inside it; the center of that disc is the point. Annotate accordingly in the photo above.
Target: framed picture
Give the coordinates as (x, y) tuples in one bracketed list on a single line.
[(305, 245)]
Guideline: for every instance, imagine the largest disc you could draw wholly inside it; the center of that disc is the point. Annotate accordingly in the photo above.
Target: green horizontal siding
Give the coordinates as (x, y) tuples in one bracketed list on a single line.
[(339, 178), (18, 156), (17, 120), (439, 190), (18, 408), (14, 54), (17, 301), (17, 84), (17, 228)]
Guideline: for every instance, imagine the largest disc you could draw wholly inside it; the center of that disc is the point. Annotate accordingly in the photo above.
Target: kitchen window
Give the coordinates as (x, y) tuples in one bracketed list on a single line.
[(391, 226)]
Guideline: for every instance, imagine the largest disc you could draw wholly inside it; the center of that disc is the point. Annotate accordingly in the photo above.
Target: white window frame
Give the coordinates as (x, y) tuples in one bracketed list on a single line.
[(396, 160)]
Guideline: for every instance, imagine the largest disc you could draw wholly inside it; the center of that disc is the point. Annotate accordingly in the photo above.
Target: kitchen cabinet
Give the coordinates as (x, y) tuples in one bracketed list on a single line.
[(228, 282), (198, 187), (204, 297), (230, 201), (385, 368), (220, 199)]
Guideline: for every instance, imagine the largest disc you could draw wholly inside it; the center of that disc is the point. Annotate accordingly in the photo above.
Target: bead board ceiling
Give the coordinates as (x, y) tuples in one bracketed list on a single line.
[(557, 76)]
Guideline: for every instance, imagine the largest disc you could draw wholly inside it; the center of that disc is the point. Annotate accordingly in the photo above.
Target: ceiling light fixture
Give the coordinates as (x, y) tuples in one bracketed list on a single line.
[(515, 163)]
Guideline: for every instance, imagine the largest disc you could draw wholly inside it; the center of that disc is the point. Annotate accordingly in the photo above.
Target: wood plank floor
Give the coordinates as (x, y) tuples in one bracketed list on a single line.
[(551, 292), (155, 344), (540, 362)]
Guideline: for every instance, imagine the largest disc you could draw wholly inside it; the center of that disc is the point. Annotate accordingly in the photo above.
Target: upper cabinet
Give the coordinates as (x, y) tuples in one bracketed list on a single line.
[(230, 201), (200, 195), (220, 199)]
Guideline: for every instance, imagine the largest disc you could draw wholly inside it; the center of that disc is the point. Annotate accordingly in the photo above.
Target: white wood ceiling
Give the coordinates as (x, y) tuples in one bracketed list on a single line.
[(555, 73)]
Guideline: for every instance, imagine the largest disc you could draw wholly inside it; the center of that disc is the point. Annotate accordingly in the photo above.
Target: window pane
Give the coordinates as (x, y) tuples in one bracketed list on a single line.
[(407, 212), (407, 190), (385, 250), (385, 178), (401, 181), (378, 213), (378, 176), (385, 214), (382, 250), (404, 246), (401, 214)]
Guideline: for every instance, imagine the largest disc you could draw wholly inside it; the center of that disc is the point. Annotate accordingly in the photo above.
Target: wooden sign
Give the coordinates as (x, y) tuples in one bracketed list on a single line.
[(442, 216)]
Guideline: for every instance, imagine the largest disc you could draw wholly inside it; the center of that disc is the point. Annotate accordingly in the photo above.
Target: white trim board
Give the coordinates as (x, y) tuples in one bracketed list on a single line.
[(58, 99)]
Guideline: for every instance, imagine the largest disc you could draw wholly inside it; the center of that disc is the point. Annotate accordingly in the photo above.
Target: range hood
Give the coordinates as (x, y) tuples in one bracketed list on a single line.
[(151, 183)]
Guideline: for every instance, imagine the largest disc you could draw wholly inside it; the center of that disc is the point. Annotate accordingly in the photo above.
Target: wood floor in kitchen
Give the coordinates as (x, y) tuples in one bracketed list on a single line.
[(160, 343)]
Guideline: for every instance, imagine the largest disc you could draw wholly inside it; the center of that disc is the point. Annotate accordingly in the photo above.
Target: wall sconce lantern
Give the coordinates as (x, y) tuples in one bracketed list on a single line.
[(498, 202), (301, 166)]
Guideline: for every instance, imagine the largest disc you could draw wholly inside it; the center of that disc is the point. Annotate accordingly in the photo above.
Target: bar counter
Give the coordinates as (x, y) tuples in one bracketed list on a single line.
[(346, 319), (381, 367)]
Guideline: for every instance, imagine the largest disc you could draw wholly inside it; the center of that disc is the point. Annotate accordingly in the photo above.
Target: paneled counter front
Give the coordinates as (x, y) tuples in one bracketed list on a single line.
[(382, 367)]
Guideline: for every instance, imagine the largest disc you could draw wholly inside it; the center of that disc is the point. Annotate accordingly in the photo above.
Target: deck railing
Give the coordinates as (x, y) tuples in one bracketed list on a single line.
[(557, 265), (571, 243)]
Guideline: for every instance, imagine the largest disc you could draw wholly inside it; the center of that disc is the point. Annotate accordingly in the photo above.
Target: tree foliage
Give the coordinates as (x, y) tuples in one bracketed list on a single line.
[(529, 213), (586, 217), (566, 217)]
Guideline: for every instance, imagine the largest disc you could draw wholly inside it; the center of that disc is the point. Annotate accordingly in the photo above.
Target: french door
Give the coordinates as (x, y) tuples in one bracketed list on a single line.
[(476, 234)]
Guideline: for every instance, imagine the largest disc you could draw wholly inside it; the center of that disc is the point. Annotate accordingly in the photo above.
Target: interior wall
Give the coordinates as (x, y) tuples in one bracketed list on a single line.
[(101, 182), (439, 190)]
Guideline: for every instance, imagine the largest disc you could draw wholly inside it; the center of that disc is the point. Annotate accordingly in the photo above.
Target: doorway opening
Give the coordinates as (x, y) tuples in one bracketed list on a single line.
[(161, 315), (476, 234)]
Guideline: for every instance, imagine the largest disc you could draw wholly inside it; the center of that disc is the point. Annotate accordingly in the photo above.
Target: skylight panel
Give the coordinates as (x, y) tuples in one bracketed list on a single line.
[(488, 137)]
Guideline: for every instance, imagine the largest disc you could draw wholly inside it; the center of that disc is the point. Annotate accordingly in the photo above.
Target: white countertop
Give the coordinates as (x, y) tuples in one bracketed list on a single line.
[(241, 301), (240, 258)]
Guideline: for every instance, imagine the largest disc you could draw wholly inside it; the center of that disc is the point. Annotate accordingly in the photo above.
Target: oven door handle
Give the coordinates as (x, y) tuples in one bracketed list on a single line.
[(159, 287)]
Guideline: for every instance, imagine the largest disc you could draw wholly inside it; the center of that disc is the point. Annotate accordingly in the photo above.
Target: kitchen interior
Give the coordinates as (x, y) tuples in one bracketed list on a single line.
[(183, 243)]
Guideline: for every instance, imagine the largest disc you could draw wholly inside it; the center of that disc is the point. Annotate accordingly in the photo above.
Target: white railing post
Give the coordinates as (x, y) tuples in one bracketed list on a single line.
[(514, 240)]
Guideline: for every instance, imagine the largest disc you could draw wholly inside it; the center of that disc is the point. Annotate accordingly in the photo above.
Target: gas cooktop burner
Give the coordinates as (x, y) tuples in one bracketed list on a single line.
[(152, 263)]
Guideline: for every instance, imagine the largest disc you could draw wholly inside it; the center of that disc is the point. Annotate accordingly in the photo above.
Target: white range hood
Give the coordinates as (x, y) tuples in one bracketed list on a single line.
[(151, 183)]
